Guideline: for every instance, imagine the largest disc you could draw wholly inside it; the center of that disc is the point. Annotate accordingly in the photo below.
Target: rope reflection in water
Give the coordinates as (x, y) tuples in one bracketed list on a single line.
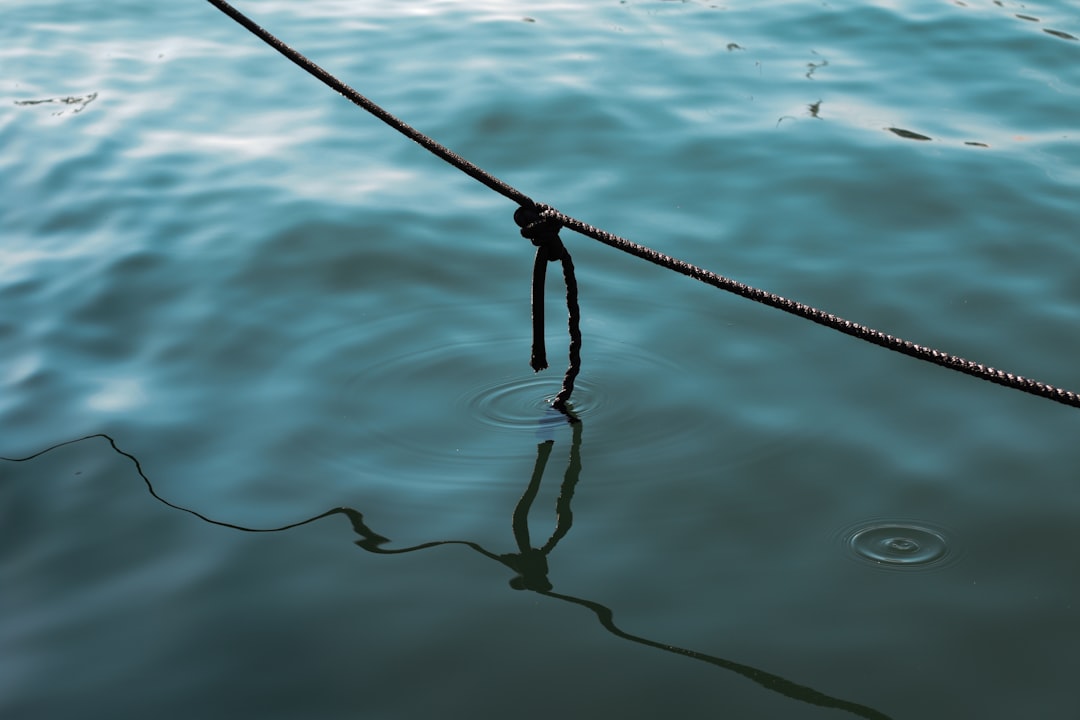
[(529, 563)]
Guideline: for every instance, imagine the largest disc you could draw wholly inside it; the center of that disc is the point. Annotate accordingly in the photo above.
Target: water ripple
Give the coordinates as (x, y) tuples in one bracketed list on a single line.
[(899, 544), (470, 398)]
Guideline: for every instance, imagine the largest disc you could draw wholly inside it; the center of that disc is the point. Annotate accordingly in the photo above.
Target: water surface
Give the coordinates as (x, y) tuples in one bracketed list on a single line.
[(260, 304)]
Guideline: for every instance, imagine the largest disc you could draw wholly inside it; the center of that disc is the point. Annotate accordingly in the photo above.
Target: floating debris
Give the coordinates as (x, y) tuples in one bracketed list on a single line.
[(908, 134), (812, 67), (1062, 35), (80, 101)]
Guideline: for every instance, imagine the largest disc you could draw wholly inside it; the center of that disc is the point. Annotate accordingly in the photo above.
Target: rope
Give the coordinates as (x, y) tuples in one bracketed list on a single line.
[(573, 321), (356, 98), (848, 327), (543, 231), (544, 234), (549, 218)]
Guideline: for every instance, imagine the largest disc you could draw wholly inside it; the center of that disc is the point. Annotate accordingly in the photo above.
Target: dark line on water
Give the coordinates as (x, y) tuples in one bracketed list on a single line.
[(529, 563)]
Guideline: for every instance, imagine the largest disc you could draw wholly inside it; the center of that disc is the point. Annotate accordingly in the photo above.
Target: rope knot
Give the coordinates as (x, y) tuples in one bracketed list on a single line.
[(539, 225)]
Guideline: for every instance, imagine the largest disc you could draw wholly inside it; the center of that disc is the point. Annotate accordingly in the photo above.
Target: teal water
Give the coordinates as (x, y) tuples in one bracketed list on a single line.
[(276, 307)]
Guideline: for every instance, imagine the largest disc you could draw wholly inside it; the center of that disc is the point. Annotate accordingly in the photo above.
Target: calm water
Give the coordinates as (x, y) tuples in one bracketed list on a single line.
[(274, 308)]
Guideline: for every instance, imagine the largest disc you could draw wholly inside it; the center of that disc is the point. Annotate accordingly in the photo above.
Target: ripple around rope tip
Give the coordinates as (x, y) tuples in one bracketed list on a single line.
[(522, 402), (477, 399), (889, 544)]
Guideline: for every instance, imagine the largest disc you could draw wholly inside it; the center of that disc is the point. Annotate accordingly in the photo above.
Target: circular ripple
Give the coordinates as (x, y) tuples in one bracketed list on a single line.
[(479, 399), (521, 401), (898, 544), (429, 392)]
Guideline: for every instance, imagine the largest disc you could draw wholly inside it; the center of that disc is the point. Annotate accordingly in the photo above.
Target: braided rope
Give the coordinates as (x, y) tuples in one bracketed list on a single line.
[(546, 212), (870, 335)]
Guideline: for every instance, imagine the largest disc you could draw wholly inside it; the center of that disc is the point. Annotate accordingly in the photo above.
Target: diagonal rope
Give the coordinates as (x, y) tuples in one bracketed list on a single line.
[(876, 337), (848, 327), (356, 98)]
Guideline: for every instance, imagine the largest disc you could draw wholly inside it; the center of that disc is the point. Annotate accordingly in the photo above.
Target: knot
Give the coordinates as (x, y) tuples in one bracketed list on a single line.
[(542, 230)]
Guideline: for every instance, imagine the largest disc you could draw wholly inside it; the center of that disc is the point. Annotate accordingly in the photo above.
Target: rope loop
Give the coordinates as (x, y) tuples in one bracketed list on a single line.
[(541, 224)]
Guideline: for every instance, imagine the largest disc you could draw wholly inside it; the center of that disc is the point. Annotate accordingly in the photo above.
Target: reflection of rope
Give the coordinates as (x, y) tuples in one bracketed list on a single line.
[(530, 564), (149, 486), (847, 327), (766, 680)]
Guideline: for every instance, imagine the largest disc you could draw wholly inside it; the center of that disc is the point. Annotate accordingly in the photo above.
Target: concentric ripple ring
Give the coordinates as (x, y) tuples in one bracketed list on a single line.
[(898, 544)]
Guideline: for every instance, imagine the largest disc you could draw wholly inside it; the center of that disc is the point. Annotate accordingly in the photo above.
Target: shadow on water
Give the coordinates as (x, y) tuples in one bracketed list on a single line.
[(529, 563)]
